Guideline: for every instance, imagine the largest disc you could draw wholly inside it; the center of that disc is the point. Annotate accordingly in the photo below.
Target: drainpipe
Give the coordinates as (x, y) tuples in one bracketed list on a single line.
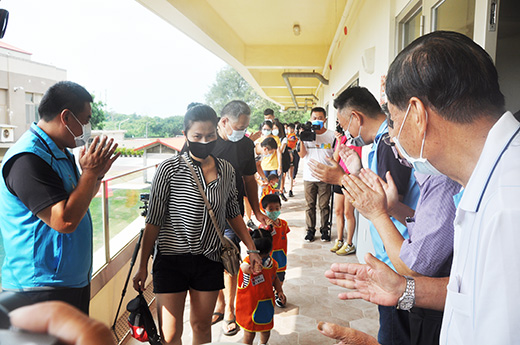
[(288, 75)]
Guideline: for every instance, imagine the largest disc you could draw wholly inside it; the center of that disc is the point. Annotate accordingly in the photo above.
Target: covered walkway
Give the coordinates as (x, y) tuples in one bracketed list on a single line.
[(311, 298)]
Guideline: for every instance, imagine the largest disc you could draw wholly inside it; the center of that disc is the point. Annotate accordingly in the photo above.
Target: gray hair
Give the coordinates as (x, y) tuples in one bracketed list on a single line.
[(234, 109)]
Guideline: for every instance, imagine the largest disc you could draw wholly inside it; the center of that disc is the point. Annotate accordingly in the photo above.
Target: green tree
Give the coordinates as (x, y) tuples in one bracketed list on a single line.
[(98, 114), (229, 85)]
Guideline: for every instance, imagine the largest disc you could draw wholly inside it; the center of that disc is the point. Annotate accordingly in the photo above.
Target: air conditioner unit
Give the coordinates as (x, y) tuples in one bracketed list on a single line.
[(6, 134)]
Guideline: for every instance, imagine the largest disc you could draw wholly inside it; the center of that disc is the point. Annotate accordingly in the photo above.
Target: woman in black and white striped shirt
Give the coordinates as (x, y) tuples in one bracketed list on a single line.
[(188, 249)]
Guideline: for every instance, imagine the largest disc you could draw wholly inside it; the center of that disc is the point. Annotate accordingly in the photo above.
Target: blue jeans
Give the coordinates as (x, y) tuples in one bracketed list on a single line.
[(394, 326)]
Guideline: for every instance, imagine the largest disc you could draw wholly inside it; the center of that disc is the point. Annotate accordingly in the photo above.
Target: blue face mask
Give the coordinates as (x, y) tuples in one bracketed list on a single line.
[(318, 123), (357, 141), (273, 215), (421, 164), (266, 132)]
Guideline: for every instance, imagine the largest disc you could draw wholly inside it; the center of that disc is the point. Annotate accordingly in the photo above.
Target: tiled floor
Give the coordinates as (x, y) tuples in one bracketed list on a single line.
[(311, 298)]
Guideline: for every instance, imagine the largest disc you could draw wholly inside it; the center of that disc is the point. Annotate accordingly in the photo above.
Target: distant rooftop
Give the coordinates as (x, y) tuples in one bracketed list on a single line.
[(13, 48)]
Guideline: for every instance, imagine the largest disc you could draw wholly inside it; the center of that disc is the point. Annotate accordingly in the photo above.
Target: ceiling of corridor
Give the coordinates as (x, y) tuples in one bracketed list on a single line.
[(261, 40)]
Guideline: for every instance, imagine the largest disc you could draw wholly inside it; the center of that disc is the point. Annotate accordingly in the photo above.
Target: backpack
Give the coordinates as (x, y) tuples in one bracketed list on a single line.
[(140, 320)]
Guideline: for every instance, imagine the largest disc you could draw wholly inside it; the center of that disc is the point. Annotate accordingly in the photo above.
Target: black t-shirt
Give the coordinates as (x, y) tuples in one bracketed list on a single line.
[(241, 155), (34, 182), (386, 161)]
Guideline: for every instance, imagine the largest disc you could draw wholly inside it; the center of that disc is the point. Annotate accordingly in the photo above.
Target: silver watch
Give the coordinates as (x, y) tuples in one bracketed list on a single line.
[(407, 300)]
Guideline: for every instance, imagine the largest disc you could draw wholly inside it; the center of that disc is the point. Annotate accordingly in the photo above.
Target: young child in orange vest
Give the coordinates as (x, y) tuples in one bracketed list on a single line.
[(279, 230), (255, 296)]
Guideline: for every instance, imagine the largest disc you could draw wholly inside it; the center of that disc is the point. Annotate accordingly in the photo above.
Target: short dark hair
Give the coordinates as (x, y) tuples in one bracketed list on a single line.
[(448, 72), (291, 125), (270, 143), (319, 110), (360, 99), (270, 199), (263, 241), (199, 113), (269, 124), (272, 177), (234, 109), (281, 129), (268, 111), (63, 95)]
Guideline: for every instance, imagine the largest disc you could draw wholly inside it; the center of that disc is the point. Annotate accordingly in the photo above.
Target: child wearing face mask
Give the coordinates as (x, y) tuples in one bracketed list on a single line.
[(254, 303), (279, 230), (271, 187), (269, 163)]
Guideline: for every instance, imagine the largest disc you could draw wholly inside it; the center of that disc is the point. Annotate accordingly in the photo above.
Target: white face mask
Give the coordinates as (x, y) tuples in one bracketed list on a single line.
[(276, 132), (235, 135), (266, 132), (421, 164), (357, 141), (84, 136)]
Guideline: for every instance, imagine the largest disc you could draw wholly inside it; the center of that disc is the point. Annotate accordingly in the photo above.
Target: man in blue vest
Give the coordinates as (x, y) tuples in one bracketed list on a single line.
[(46, 225)]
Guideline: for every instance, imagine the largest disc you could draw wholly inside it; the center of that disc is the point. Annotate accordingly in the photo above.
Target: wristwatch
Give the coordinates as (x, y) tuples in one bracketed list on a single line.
[(407, 300)]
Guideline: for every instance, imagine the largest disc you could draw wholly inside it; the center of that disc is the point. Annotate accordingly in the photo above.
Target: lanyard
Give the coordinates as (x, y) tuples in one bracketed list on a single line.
[(495, 165)]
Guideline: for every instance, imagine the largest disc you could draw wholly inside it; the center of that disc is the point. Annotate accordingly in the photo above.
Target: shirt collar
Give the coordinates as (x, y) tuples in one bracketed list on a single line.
[(55, 150), (497, 141), (383, 128), (421, 178)]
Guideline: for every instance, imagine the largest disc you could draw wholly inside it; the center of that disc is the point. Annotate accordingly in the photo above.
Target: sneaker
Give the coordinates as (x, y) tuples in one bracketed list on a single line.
[(283, 197), (337, 245), (278, 301), (251, 225), (346, 249), (310, 236), (291, 194), (325, 237)]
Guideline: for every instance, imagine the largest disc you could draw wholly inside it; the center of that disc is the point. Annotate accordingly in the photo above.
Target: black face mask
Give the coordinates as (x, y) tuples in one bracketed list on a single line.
[(201, 150)]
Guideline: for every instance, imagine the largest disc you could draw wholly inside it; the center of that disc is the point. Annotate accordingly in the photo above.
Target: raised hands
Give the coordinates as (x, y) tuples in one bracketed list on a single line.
[(350, 158), (345, 335), (97, 159), (331, 173), (374, 281)]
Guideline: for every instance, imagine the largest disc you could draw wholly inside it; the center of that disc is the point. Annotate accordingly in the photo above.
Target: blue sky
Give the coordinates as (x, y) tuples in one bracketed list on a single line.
[(117, 49)]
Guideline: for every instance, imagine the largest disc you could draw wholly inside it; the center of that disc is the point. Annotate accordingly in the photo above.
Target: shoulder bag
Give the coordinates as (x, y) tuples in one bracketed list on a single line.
[(230, 255)]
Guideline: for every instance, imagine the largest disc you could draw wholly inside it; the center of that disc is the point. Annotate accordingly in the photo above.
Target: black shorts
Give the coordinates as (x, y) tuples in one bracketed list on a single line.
[(281, 276), (178, 273), (337, 189), (78, 297)]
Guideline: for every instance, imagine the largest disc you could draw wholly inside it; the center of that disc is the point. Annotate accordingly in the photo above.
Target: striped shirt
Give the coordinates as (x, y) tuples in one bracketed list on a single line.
[(177, 207), (429, 250)]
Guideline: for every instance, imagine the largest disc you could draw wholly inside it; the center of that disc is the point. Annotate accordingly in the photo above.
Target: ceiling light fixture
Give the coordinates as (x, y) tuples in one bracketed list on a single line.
[(296, 29)]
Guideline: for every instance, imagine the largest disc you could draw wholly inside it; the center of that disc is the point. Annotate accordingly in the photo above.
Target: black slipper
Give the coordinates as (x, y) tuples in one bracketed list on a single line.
[(219, 318), (232, 332)]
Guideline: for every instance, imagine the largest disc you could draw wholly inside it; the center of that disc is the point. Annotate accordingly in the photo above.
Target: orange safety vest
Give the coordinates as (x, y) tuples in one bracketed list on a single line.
[(255, 299)]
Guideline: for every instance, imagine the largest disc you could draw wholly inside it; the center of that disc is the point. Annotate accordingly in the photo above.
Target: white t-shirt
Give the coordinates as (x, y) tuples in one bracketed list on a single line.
[(482, 304), (317, 150)]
